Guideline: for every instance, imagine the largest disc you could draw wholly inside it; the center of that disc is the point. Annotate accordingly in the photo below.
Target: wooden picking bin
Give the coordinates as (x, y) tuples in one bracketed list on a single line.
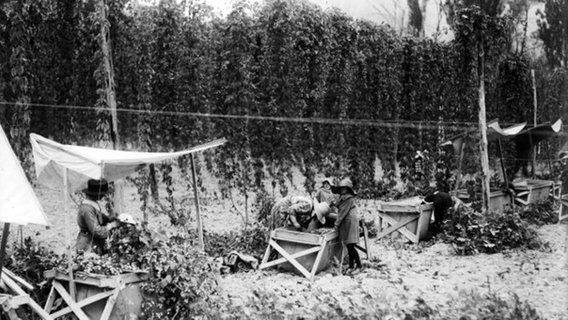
[(410, 217), (532, 190), (302, 252), (97, 296)]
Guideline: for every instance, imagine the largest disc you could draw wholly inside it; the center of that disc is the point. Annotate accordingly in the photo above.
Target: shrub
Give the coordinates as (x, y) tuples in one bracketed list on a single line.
[(470, 232), (182, 281), (29, 261), (540, 213), (252, 240)]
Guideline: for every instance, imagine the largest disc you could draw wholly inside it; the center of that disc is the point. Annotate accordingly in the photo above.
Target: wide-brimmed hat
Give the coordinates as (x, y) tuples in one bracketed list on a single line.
[(321, 210), (96, 187), (345, 183)]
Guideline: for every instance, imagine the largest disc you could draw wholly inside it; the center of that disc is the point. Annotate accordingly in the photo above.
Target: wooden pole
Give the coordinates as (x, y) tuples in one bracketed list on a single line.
[(534, 147), (5, 234), (67, 233), (460, 161), (483, 129), (109, 72), (198, 213), (118, 199)]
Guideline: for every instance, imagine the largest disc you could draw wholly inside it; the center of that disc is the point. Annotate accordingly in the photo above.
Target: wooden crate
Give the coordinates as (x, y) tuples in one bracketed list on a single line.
[(563, 208), (97, 296), (532, 190), (409, 217), (499, 201), (301, 252)]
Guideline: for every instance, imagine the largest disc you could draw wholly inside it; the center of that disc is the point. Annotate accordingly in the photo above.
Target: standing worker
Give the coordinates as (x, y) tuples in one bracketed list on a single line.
[(347, 222), (324, 194), (94, 226)]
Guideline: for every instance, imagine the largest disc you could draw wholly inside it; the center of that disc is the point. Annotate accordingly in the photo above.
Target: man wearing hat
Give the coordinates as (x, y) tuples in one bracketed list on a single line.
[(347, 222), (94, 226), (298, 213)]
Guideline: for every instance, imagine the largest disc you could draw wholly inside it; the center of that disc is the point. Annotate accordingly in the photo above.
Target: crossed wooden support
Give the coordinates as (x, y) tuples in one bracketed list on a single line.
[(324, 246), (388, 224), (562, 202), (11, 302), (532, 193), (317, 244), (112, 286)]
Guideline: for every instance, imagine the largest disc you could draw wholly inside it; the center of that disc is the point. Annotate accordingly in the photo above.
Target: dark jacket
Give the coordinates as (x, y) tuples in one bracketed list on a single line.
[(441, 201), (347, 219), (92, 230)]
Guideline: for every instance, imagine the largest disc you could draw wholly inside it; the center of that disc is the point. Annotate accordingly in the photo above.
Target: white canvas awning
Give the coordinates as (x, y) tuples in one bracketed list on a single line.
[(83, 163), (18, 202), (494, 131)]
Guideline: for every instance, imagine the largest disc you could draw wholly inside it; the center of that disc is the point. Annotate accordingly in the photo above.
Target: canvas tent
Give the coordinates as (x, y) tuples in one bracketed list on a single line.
[(52, 159), (494, 132), (69, 167), (18, 205), (18, 202)]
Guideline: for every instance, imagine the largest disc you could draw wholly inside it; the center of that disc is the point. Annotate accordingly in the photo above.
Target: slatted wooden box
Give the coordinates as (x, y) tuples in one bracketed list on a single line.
[(411, 213), (123, 294), (532, 190), (499, 201), (321, 249)]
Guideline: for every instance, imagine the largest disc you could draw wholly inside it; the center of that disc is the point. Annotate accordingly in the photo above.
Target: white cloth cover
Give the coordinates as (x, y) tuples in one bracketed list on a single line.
[(18, 202), (84, 163), (494, 130)]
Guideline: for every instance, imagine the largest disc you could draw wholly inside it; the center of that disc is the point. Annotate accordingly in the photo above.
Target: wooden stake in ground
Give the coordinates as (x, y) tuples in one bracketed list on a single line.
[(483, 129)]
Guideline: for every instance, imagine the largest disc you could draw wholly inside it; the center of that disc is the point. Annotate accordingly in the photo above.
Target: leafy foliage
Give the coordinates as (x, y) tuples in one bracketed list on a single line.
[(540, 213), (30, 261), (266, 304), (184, 76), (471, 232), (553, 31)]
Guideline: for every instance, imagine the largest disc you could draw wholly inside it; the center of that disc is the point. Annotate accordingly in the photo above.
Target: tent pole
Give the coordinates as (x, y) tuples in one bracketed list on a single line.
[(5, 234), (67, 235), (505, 178), (460, 161), (196, 192)]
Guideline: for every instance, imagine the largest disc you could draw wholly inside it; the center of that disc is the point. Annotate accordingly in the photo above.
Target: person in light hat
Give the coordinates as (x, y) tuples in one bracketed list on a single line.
[(324, 194), (347, 223), (94, 225), (298, 213)]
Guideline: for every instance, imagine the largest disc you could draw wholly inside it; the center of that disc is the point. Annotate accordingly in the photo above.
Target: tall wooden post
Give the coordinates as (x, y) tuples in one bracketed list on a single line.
[(483, 129), (72, 290), (118, 200), (534, 147), (198, 213)]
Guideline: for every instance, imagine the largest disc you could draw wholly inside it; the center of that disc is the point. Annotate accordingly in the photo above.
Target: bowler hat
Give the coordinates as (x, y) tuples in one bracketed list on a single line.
[(96, 187), (345, 183)]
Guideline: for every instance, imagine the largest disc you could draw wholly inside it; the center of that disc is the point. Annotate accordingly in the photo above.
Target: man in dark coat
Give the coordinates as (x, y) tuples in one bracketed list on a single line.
[(94, 226)]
